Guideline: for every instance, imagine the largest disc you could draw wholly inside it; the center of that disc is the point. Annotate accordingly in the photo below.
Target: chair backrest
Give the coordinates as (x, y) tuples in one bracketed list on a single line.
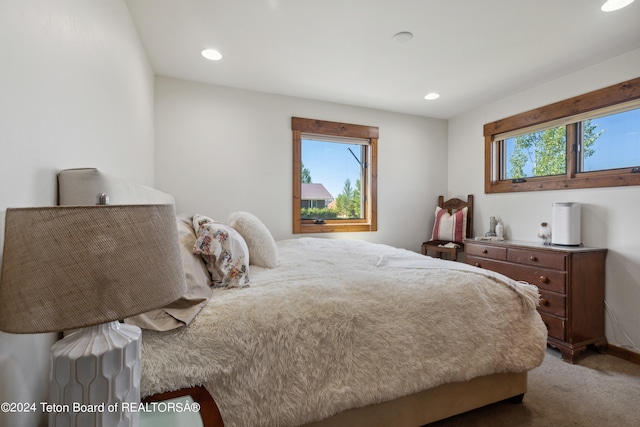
[(453, 205)]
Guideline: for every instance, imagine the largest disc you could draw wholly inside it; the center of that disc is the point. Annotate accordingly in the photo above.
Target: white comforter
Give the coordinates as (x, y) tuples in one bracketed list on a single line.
[(342, 324)]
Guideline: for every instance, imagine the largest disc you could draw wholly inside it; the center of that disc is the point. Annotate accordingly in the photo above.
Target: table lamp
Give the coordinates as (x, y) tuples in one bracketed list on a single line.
[(86, 268)]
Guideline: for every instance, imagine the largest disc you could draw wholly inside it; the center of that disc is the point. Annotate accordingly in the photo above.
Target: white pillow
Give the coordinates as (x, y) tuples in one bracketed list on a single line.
[(263, 251)]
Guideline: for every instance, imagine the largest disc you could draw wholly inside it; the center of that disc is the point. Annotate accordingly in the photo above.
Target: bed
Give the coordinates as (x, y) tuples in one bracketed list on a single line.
[(334, 333)]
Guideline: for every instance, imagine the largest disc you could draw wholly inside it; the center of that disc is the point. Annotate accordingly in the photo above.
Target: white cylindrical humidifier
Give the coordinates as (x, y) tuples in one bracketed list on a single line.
[(565, 224)]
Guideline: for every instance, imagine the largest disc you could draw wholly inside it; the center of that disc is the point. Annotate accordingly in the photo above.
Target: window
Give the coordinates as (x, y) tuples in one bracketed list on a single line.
[(540, 153), (592, 140), (334, 176), (613, 141)]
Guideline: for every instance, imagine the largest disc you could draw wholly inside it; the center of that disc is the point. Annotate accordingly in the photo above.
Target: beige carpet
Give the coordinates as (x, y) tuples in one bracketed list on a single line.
[(600, 390)]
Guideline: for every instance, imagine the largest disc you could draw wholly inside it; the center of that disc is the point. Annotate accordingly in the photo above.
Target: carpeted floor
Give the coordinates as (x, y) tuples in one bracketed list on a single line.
[(599, 391)]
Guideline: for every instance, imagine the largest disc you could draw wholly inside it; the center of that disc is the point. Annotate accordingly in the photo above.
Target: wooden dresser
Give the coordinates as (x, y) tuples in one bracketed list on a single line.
[(571, 284)]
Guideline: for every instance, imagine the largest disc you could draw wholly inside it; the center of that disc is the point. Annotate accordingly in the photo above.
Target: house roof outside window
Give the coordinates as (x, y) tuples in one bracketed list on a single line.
[(315, 192)]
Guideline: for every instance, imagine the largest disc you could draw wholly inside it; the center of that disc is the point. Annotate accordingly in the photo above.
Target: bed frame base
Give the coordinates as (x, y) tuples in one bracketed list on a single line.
[(410, 411), (434, 404)]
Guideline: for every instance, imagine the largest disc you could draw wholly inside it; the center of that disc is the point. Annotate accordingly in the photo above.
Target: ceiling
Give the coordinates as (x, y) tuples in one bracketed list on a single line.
[(472, 52)]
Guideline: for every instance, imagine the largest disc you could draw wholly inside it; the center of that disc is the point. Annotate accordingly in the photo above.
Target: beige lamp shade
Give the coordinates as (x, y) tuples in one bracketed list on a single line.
[(67, 267)]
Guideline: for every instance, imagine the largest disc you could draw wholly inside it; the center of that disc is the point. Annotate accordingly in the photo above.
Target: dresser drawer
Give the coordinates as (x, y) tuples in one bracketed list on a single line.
[(552, 303), (487, 251), (487, 263), (551, 280), (533, 257), (555, 325)]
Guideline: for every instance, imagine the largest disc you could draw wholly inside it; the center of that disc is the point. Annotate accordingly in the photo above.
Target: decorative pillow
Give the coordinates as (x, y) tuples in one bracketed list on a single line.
[(185, 309), (224, 251), (262, 247), (450, 227)]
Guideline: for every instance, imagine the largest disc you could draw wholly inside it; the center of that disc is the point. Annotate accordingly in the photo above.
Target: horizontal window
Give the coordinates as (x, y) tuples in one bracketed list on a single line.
[(592, 140)]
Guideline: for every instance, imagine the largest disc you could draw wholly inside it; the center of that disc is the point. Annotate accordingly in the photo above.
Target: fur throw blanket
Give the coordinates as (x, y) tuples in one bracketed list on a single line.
[(343, 324)]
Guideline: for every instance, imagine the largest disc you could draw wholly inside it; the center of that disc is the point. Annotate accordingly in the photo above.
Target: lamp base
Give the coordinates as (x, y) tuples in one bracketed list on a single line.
[(95, 377)]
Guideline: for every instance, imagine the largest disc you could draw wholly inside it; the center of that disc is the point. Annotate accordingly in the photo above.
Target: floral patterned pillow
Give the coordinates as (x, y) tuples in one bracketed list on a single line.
[(224, 251)]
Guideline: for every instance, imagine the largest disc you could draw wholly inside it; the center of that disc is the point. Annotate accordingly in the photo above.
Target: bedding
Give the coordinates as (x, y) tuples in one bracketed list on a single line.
[(339, 325), (182, 311), (344, 324)]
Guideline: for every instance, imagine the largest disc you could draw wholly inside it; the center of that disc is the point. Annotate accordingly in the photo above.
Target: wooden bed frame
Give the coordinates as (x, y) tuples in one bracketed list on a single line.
[(414, 410), (80, 186)]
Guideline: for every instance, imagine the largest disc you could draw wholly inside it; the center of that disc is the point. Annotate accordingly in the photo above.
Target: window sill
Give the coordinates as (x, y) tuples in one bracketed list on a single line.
[(610, 178), (333, 228)]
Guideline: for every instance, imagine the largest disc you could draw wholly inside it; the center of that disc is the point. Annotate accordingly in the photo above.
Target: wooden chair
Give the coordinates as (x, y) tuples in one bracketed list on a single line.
[(452, 206)]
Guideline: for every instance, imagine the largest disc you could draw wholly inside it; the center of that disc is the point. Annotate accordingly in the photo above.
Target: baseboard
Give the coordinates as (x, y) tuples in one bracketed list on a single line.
[(623, 353)]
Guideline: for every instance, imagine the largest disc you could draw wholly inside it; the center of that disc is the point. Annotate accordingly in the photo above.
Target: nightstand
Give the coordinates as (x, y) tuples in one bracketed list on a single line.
[(570, 281)]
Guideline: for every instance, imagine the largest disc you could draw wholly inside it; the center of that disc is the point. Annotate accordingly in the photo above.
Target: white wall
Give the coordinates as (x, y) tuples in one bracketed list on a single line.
[(219, 150), (77, 90), (609, 215)]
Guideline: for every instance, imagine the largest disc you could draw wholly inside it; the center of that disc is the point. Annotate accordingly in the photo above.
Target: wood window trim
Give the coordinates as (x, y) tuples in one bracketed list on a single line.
[(602, 98), (301, 126)]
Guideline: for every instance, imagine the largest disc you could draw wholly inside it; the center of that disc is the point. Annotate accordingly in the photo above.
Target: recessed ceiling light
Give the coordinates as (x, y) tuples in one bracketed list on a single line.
[(403, 37), (611, 5), (431, 96), (212, 54)]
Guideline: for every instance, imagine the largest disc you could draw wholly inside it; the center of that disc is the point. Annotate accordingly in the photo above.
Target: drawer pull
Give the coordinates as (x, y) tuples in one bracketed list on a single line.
[(533, 258), (544, 279), (477, 264), (484, 251), (544, 302)]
